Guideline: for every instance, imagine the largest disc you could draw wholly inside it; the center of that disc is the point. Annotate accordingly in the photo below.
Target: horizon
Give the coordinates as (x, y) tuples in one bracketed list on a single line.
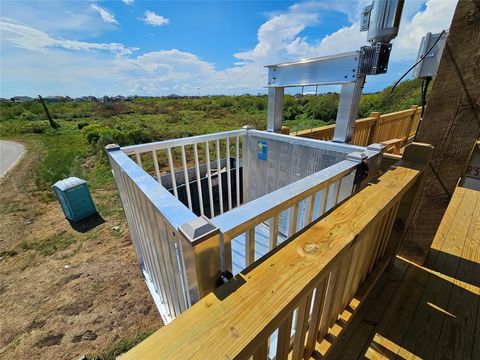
[(145, 48), (35, 97)]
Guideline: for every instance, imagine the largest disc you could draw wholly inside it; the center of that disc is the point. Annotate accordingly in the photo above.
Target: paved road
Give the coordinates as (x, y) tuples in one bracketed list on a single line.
[(10, 152)]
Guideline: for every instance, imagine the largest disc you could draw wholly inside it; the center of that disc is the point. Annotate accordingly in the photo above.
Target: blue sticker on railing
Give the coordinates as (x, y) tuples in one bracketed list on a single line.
[(262, 150)]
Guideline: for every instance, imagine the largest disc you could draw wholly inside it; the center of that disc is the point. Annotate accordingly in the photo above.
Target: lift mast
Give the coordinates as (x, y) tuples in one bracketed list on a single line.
[(382, 20)]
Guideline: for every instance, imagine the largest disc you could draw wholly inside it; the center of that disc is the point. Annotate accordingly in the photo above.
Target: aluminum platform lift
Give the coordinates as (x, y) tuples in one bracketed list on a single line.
[(382, 20)]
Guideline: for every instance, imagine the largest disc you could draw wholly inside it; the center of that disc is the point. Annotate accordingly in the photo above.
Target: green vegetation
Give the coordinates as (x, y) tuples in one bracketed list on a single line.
[(124, 345), (76, 148), (45, 247)]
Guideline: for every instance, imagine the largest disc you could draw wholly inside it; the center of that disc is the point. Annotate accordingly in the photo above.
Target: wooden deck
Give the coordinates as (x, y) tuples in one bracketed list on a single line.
[(430, 311)]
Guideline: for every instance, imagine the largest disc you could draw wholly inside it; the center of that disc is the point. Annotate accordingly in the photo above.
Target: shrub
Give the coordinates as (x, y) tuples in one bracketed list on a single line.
[(27, 115), (81, 125), (109, 109), (10, 111), (91, 133), (33, 127)]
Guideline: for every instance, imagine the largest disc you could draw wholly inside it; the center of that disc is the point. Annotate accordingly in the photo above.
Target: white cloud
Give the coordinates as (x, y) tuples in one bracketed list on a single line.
[(153, 19), (128, 2), (280, 38), (106, 15), (436, 17), (276, 36), (72, 19), (25, 37)]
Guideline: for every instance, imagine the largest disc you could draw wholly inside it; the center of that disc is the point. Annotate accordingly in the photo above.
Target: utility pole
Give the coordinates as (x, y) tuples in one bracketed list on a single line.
[(53, 124)]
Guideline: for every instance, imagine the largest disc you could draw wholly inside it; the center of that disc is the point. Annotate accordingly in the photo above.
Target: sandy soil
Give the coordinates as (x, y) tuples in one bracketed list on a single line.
[(80, 300)]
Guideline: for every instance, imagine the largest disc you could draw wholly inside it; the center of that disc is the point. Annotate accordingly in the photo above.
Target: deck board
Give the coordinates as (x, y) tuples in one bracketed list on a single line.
[(457, 336), (447, 247), (434, 310), (351, 346)]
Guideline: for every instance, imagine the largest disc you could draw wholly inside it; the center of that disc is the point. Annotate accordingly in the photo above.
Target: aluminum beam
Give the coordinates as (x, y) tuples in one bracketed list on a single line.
[(328, 70)]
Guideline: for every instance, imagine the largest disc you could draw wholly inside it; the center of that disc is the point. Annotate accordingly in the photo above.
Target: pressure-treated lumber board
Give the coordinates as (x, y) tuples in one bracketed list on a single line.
[(457, 334), (363, 328), (450, 124), (434, 312), (395, 320), (332, 342), (273, 287), (424, 331)]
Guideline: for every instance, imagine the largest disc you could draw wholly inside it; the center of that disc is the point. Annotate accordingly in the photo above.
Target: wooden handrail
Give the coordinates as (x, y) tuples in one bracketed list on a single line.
[(323, 266), (374, 129)]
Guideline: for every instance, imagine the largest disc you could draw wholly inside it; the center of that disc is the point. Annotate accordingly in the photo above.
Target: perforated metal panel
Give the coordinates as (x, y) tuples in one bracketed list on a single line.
[(285, 163)]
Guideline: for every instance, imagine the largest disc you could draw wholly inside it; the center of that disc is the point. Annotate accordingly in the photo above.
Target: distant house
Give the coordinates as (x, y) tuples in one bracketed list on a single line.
[(173, 96), (90, 98), (56, 99), (20, 99)]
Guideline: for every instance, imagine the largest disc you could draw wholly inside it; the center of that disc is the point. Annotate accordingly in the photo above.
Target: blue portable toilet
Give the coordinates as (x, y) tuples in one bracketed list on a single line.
[(75, 198)]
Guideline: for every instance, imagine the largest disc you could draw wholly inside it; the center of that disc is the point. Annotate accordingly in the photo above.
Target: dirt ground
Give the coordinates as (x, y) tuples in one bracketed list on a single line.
[(81, 294)]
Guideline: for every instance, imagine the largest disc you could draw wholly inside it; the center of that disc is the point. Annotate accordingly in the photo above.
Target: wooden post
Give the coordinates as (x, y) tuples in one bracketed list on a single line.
[(285, 130), (451, 124), (420, 154), (410, 123), (373, 129)]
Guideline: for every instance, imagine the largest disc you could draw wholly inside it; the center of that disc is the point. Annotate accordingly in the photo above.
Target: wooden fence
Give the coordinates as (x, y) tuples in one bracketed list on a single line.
[(286, 305), (377, 128)]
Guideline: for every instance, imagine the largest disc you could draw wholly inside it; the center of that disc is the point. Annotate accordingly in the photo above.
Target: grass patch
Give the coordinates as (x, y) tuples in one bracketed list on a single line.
[(123, 346), (8, 253), (63, 158), (49, 246)]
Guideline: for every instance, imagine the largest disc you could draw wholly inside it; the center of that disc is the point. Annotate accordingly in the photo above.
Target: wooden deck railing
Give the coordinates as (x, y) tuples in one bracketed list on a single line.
[(284, 305), (377, 128)]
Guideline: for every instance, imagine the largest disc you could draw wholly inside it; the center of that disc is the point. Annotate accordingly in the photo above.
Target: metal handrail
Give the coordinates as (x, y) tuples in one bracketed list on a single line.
[(240, 219), (327, 145), (165, 144), (173, 210)]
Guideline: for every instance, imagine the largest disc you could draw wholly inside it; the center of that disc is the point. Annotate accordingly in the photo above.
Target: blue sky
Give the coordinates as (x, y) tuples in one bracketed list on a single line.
[(160, 47)]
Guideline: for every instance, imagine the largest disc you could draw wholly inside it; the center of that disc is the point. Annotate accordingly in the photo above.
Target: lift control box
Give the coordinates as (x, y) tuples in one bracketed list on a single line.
[(429, 65)]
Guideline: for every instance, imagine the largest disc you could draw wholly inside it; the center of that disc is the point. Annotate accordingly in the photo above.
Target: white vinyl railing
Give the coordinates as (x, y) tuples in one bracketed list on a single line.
[(205, 206), (216, 151)]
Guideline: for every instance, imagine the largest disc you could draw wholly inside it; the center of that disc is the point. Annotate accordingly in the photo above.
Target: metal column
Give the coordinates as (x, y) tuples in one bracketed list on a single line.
[(347, 110), (275, 109)]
